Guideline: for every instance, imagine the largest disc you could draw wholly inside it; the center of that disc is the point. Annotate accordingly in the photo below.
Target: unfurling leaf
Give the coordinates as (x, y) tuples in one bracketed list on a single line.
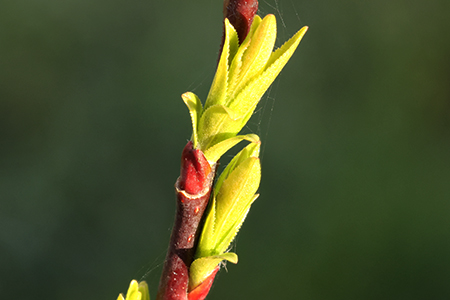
[(136, 291), (202, 267)]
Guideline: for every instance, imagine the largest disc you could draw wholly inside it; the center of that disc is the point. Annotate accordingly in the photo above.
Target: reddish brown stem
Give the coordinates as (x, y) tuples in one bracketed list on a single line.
[(193, 189)]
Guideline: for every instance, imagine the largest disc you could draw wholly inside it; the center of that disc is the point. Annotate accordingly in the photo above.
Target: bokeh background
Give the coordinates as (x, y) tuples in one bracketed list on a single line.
[(355, 195)]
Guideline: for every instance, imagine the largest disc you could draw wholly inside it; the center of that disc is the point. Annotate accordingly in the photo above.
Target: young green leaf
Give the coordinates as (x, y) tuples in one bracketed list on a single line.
[(217, 124), (234, 198), (202, 267), (195, 110), (254, 59), (244, 73), (233, 194), (136, 291), (219, 86), (215, 152)]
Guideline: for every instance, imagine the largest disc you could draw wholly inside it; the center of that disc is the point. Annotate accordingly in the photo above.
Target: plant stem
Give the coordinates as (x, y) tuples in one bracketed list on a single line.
[(193, 189)]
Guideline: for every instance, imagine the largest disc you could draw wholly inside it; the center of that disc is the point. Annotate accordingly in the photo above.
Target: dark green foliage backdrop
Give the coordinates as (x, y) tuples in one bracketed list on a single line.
[(355, 197)]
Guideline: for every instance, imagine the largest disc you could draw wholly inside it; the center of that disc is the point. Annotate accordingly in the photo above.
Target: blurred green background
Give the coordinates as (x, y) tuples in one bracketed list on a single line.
[(355, 195)]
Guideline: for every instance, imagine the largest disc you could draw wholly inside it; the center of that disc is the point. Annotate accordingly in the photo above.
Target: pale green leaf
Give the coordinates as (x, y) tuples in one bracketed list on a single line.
[(143, 288), (220, 83), (251, 150), (215, 233), (256, 89), (236, 61), (202, 267), (233, 199), (234, 47), (195, 110), (284, 53), (228, 235), (217, 124), (206, 240), (255, 24), (120, 297), (215, 152), (133, 291), (257, 54)]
